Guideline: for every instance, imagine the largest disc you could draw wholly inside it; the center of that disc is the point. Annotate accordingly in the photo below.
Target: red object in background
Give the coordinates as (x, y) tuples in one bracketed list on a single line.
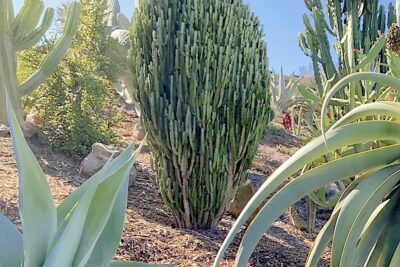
[(287, 121)]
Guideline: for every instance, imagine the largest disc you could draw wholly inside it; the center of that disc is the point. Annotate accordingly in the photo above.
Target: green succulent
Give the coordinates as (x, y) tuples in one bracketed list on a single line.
[(83, 230)]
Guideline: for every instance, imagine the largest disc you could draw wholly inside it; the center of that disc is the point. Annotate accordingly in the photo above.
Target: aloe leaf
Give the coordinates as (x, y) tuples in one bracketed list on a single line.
[(395, 262), (322, 241), (382, 79), (308, 182), (387, 243), (11, 247), (37, 210), (337, 138), (389, 109), (372, 231), (361, 203)]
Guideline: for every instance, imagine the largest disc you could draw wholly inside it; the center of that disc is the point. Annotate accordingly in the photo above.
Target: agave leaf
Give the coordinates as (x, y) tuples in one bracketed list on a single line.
[(108, 242), (11, 247), (109, 168), (65, 248), (100, 211), (35, 200), (337, 138), (308, 182)]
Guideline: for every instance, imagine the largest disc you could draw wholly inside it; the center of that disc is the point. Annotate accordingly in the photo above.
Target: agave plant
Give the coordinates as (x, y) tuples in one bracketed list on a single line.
[(364, 224), (84, 230)]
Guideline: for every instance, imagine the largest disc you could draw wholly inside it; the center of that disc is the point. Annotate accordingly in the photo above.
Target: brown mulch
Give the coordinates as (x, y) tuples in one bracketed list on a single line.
[(150, 234)]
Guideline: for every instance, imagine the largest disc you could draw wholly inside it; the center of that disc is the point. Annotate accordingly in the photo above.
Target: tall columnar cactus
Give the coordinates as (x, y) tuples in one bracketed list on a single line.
[(21, 32), (201, 77), (355, 24)]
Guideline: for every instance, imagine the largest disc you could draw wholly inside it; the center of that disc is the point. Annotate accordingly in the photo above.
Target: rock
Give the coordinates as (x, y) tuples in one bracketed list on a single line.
[(97, 159), (34, 117), (132, 176), (332, 190), (4, 131), (243, 195), (30, 129), (139, 132)]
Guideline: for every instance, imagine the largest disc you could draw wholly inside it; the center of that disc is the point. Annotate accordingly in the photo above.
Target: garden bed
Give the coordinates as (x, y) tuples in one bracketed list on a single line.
[(150, 234)]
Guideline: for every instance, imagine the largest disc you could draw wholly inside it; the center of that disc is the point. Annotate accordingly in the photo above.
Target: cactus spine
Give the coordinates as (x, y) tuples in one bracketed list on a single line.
[(201, 77), (21, 32)]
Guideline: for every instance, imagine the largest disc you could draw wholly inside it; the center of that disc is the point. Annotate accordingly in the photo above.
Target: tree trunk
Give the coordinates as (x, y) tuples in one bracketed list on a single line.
[(3, 106)]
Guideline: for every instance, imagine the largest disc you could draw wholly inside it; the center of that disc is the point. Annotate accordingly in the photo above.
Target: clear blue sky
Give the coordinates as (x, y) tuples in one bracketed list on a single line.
[(282, 20)]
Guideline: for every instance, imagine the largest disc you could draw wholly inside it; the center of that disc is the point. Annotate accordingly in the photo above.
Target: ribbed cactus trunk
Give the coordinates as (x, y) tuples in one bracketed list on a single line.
[(201, 77), (21, 32)]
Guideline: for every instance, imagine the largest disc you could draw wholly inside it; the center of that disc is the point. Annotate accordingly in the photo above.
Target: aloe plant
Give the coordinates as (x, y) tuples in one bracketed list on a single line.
[(21, 32), (364, 225), (84, 230)]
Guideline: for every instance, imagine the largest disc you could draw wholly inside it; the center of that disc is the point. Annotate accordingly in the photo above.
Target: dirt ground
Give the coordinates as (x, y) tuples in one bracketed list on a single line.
[(150, 234)]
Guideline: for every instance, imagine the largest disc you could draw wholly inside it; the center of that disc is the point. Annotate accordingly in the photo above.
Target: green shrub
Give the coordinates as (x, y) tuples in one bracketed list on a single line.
[(76, 104), (201, 78)]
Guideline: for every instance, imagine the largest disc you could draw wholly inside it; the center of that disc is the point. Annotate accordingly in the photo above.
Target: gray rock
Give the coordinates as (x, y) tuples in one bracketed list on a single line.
[(97, 159), (139, 132), (30, 129), (243, 195), (4, 131)]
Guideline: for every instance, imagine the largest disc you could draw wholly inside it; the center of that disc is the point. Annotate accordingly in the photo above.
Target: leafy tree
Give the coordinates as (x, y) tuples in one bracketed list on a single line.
[(77, 105)]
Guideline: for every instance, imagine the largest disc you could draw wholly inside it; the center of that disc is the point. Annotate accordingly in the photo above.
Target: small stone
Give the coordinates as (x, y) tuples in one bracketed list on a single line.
[(97, 158), (243, 195), (139, 133), (30, 129), (4, 131), (332, 190), (132, 175)]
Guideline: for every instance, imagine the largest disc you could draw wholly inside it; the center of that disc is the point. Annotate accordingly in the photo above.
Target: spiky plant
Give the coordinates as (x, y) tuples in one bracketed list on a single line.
[(364, 225), (83, 230), (21, 32), (201, 78)]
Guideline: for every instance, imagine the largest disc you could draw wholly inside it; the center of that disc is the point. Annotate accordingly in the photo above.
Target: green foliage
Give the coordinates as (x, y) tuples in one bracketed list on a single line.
[(20, 32), (76, 103), (83, 230), (201, 78)]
